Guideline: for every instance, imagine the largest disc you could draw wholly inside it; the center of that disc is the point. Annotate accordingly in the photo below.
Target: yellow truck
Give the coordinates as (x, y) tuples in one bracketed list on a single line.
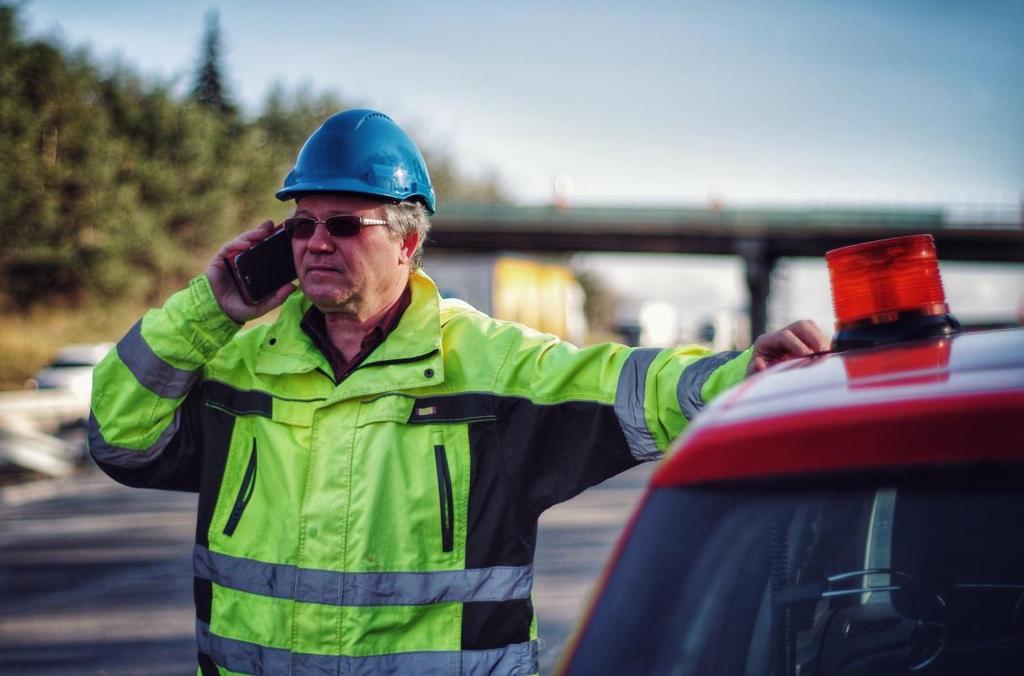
[(542, 294)]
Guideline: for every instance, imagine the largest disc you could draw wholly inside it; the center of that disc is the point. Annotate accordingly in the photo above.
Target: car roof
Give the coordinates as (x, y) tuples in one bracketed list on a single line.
[(933, 401)]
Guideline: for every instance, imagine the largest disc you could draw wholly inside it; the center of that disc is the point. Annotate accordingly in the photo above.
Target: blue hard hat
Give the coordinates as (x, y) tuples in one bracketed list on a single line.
[(360, 151)]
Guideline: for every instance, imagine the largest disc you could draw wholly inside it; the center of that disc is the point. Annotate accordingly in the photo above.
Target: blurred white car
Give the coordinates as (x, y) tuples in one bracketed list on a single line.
[(71, 369)]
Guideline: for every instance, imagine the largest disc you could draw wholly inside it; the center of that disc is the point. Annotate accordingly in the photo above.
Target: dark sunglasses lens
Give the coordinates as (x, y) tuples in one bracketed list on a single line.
[(344, 226), (300, 228)]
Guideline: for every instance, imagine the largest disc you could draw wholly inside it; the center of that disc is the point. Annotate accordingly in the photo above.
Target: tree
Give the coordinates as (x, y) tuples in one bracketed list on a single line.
[(210, 89), (112, 188)]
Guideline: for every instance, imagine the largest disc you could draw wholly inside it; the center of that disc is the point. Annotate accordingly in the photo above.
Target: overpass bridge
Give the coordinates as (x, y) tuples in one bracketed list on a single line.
[(760, 237)]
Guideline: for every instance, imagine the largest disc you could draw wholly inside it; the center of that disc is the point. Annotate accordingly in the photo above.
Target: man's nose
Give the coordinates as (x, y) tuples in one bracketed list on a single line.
[(321, 240)]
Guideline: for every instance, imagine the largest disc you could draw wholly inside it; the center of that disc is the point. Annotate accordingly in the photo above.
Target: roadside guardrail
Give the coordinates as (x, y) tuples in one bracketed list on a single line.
[(29, 421)]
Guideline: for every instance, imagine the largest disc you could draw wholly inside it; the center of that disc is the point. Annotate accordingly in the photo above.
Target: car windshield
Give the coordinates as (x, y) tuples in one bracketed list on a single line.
[(880, 575)]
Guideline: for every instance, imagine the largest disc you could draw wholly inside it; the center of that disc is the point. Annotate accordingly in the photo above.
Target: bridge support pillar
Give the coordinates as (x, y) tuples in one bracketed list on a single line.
[(758, 263)]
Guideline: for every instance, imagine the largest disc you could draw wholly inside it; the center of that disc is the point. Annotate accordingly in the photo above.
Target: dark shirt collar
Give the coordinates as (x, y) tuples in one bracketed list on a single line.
[(315, 325)]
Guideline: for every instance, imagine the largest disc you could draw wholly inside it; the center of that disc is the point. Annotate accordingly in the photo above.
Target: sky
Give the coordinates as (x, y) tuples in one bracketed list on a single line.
[(745, 103)]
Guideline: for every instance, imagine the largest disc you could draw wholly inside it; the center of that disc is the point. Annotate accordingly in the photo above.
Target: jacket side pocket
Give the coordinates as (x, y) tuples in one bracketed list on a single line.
[(245, 491), (446, 496)]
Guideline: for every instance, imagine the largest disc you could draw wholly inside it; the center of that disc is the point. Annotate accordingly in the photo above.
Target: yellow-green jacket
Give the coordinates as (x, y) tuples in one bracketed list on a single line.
[(386, 524)]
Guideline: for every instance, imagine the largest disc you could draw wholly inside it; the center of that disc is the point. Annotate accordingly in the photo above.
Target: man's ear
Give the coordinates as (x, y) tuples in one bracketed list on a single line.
[(409, 244)]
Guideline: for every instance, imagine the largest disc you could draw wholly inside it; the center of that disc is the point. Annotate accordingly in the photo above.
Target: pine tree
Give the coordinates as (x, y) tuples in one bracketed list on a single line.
[(210, 90)]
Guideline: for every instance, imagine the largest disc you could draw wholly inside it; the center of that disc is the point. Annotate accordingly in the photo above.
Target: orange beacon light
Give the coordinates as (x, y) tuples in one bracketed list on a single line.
[(887, 291)]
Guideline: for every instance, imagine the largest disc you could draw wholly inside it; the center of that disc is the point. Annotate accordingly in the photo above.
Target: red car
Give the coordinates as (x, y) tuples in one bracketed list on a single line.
[(856, 513)]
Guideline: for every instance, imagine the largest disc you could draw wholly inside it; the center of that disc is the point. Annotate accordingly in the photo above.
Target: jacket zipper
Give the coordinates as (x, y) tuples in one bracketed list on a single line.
[(444, 488), (244, 493)]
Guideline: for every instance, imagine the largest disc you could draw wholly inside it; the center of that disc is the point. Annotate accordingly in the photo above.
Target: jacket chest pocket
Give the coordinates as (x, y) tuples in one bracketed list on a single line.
[(257, 508), (413, 483), (239, 483), (449, 421), (245, 490), (446, 494)]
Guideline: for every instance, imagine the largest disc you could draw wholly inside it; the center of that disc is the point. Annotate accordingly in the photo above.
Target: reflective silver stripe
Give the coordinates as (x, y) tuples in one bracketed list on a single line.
[(629, 404), (693, 379), (151, 371), (497, 583), (129, 457), (517, 658), (252, 658)]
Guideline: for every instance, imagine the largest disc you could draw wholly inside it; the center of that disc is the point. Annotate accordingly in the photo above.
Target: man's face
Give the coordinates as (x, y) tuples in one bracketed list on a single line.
[(359, 275)]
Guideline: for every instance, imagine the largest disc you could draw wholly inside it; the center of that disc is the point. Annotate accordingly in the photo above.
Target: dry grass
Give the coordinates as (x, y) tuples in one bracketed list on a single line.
[(29, 341)]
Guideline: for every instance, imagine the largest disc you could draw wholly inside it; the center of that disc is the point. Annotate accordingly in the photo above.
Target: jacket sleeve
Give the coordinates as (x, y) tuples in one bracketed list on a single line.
[(580, 416), (143, 430), (659, 392)]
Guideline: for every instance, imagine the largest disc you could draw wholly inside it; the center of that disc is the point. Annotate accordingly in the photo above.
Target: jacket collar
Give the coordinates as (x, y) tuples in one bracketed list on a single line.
[(415, 344)]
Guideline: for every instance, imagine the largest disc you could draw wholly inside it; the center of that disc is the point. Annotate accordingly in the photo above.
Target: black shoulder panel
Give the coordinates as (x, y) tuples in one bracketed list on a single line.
[(524, 458), (554, 452)]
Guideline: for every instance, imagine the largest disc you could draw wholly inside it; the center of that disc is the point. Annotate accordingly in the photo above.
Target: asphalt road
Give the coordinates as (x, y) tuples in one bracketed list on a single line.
[(96, 578)]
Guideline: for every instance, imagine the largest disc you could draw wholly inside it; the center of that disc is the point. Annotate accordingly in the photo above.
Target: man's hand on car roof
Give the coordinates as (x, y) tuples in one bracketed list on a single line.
[(799, 339)]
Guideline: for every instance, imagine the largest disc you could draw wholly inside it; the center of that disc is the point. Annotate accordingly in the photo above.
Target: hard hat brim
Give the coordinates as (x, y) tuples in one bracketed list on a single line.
[(351, 186)]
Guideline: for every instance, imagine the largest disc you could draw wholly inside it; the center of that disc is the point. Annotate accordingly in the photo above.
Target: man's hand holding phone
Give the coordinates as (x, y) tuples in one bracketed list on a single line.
[(265, 262)]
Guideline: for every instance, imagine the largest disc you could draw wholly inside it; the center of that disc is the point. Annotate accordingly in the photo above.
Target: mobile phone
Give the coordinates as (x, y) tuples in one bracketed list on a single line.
[(264, 268)]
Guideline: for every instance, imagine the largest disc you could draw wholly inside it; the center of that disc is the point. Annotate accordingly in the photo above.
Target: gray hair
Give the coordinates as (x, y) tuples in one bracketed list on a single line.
[(406, 217)]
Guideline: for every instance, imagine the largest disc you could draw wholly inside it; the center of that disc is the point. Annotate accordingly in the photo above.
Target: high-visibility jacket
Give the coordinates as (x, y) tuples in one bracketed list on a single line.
[(386, 523)]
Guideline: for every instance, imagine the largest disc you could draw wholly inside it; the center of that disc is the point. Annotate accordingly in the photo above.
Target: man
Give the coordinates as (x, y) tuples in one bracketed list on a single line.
[(371, 465)]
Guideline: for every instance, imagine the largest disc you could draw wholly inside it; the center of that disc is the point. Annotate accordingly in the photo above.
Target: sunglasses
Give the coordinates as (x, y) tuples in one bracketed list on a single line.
[(344, 225)]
